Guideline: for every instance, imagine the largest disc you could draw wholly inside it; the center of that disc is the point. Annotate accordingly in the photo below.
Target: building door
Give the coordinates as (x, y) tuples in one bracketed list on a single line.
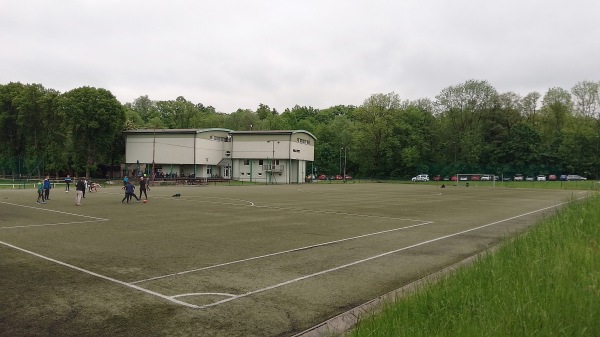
[(226, 172)]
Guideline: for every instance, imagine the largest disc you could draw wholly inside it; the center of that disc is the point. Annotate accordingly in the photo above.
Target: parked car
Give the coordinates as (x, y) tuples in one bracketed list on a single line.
[(475, 178), (552, 177), (563, 177), (437, 178), (486, 177), (421, 177), (518, 177), (574, 177), (453, 178), (339, 177), (322, 177), (529, 178), (348, 177), (541, 177)]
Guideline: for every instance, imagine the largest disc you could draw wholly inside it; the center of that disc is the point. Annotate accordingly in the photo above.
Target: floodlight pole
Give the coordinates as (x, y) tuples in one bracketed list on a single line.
[(345, 148), (340, 161), (153, 154), (597, 156)]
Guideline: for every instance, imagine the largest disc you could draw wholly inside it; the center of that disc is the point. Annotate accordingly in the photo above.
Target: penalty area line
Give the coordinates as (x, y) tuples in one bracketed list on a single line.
[(89, 272), (282, 252), (371, 258)]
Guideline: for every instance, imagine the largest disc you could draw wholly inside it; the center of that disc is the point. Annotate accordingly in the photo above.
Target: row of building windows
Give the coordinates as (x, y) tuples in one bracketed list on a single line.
[(261, 161), (227, 139), (259, 173), (220, 139)]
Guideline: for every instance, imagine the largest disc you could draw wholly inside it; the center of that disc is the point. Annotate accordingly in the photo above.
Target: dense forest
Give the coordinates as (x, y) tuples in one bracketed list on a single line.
[(466, 128)]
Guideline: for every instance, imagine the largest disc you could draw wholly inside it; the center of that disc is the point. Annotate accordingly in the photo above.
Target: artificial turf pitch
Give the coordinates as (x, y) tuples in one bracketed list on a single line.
[(236, 260)]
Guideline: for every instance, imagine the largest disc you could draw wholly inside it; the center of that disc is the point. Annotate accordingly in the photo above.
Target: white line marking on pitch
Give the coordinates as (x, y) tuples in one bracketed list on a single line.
[(234, 297), (249, 203), (95, 219), (279, 253), (370, 258), (54, 224), (52, 210), (168, 298), (203, 294), (336, 213), (252, 204)]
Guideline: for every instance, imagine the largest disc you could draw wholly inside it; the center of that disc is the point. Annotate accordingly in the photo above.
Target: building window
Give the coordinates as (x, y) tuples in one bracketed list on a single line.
[(246, 161), (219, 139), (260, 162)]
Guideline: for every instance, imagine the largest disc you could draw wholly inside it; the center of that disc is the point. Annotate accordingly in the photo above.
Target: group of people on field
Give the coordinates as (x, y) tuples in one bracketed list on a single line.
[(43, 189), (44, 186), (129, 188)]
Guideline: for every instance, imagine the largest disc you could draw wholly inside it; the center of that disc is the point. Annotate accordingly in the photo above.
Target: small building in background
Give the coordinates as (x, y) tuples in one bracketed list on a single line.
[(278, 157)]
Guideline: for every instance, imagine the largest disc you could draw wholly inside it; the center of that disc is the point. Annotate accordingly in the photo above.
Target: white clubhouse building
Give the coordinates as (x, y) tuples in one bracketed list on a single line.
[(279, 157)]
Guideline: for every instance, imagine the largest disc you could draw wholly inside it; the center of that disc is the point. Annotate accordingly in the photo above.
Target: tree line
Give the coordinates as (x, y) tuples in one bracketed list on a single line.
[(466, 128)]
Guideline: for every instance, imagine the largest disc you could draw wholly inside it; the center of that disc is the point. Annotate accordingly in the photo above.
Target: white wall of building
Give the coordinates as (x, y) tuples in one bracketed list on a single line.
[(246, 156)]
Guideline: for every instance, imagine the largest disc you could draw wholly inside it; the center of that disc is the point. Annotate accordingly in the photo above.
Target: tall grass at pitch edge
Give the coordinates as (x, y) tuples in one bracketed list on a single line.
[(543, 283)]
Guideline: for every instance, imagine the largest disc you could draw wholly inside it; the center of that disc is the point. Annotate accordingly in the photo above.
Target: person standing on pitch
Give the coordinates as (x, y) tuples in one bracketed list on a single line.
[(143, 184), (40, 189), (79, 189), (47, 187), (68, 181), (129, 192), (85, 186)]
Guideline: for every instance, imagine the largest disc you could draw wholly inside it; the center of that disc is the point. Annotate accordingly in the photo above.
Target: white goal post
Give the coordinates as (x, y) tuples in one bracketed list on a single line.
[(475, 179)]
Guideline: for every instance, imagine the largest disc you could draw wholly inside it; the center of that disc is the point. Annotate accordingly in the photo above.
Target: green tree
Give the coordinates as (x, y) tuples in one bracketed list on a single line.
[(144, 106), (242, 120), (587, 99), (264, 112), (95, 118), (463, 108), (530, 107), (12, 135), (177, 114), (372, 130)]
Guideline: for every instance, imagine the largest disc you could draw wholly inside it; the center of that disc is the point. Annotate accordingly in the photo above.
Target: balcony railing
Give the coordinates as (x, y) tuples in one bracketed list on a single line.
[(273, 168)]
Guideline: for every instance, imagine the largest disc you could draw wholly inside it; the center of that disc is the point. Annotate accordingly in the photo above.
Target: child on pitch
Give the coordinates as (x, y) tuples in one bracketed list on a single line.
[(40, 189)]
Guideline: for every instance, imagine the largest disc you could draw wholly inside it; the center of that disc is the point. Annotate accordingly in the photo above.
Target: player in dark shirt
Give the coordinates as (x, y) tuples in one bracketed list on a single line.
[(130, 192), (143, 184)]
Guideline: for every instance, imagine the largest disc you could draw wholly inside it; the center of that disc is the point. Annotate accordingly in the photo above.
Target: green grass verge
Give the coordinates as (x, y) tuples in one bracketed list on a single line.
[(543, 283)]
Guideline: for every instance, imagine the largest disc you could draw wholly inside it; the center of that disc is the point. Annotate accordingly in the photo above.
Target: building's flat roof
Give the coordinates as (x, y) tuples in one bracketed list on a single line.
[(272, 132), (173, 131), (193, 131)]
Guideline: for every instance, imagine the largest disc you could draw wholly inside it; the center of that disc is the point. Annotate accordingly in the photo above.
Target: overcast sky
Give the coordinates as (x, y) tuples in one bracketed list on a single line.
[(234, 54)]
